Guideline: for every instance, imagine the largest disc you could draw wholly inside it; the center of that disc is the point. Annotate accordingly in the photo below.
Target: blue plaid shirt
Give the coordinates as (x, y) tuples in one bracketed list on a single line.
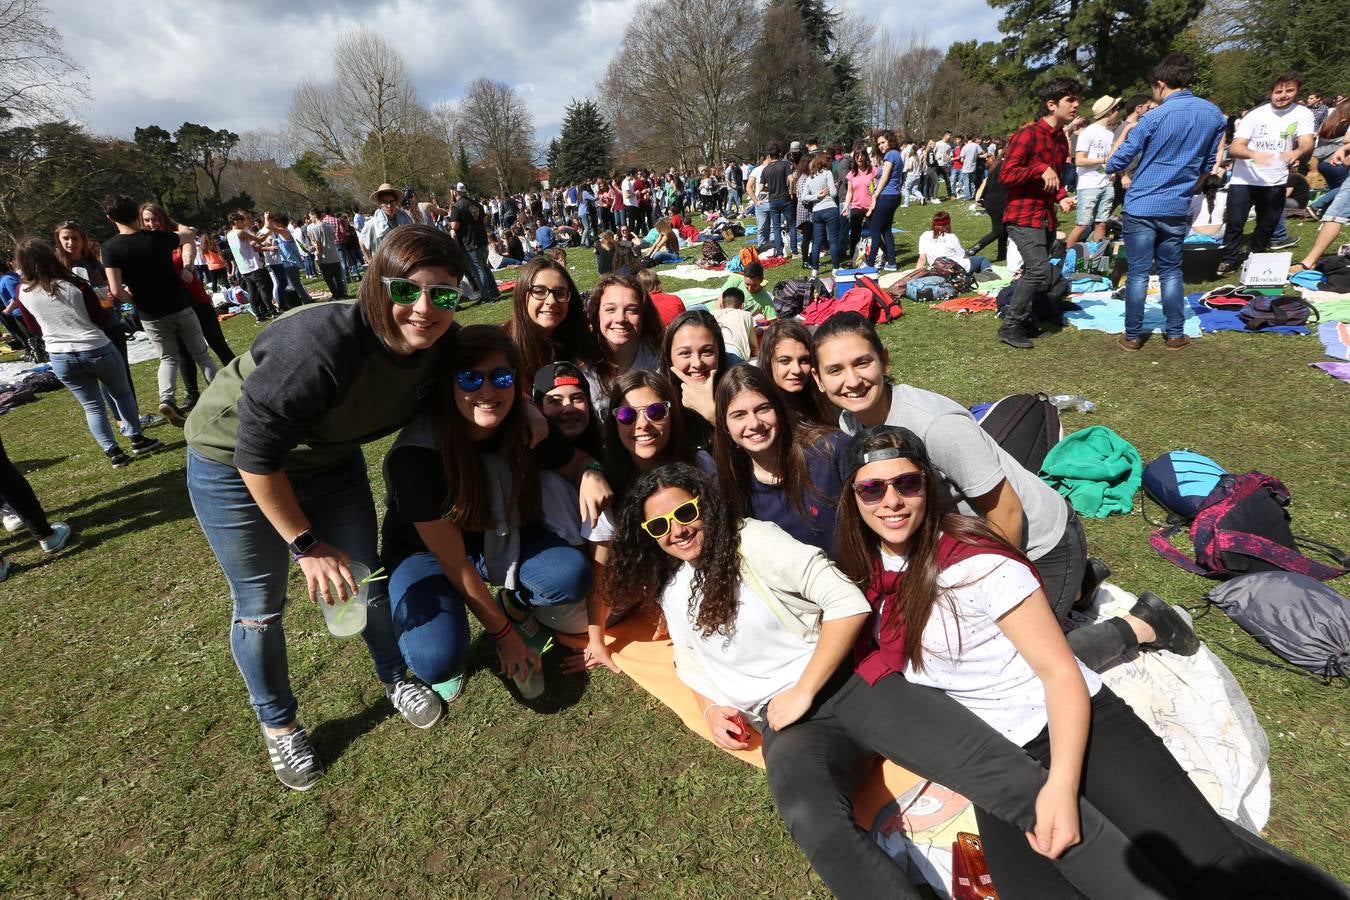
[(1176, 144)]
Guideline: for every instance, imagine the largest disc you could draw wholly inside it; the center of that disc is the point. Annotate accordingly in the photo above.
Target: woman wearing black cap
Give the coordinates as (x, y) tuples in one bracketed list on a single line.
[(959, 609), (763, 628)]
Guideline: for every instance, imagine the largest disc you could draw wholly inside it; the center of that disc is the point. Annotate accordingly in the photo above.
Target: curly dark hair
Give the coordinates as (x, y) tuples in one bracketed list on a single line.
[(640, 570)]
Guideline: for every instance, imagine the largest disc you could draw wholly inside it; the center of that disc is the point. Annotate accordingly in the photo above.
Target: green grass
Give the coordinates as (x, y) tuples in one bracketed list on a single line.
[(132, 762)]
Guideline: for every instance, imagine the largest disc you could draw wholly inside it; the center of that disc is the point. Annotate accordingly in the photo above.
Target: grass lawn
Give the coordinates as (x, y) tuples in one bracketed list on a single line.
[(132, 761)]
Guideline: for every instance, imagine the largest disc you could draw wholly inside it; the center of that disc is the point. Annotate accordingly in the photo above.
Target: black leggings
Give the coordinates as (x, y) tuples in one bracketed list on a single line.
[(18, 495), (815, 765), (215, 339), (997, 232), (856, 218), (1133, 779)]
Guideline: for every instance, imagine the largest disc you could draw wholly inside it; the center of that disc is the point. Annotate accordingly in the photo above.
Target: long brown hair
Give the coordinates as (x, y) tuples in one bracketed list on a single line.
[(570, 340), (166, 221), (1334, 126), (620, 469), (858, 548), (66, 259), (405, 249), (649, 325), (794, 441), (41, 267), (469, 503), (639, 569), (809, 405)]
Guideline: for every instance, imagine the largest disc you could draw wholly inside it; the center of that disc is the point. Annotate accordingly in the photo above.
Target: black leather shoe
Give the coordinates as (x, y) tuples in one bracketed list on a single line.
[(1174, 633), (1093, 576)]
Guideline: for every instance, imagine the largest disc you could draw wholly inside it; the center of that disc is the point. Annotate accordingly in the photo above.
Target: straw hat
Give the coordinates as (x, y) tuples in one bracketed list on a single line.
[(386, 188), (1104, 106)]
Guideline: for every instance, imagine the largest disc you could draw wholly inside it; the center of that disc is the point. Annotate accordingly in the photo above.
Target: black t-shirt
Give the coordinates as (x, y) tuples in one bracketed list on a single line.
[(514, 248), (146, 261), (468, 218), (774, 177), (1299, 192), (416, 490)]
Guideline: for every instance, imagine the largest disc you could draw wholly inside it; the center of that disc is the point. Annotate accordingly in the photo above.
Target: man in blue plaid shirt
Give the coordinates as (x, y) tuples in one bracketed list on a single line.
[(1176, 144)]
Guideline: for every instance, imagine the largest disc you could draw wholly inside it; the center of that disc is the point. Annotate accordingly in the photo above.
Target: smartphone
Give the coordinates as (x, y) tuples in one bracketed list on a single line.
[(742, 732)]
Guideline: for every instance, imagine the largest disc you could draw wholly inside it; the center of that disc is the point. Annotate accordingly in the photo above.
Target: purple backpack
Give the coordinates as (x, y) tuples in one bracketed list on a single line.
[(1243, 526)]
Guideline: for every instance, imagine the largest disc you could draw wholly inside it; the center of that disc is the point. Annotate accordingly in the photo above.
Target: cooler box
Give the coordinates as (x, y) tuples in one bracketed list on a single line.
[(844, 278)]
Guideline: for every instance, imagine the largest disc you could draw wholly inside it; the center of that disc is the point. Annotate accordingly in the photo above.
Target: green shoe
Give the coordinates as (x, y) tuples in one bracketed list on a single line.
[(450, 689)]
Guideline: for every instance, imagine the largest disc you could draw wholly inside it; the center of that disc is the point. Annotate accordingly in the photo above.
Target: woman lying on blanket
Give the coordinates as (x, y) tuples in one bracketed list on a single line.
[(984, 480), (763, 628), (694, 357), (644, 430), (963, 611), (772, 468), (466, 508), (785, 353)]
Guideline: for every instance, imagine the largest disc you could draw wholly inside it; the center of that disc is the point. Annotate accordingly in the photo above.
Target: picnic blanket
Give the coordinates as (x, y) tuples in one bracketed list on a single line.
[(693, 297), (1100, 311), (1339, 370), (981, 303), (1211, 319), (1193, 703), (1097, 470), (1331, 306), (1335, 337), (691, 272)]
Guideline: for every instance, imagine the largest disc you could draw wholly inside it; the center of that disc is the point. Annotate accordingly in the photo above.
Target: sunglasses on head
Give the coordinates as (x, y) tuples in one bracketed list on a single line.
[(686, 514), (655, 412), (470, 380), (873, 490), (405, 292)]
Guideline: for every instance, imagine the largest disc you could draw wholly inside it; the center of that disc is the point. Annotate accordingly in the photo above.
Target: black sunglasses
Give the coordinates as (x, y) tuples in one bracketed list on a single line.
[(873, 490)]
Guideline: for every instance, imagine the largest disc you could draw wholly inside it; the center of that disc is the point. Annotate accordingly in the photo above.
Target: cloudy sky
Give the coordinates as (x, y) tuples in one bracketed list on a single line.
[(235, 65)]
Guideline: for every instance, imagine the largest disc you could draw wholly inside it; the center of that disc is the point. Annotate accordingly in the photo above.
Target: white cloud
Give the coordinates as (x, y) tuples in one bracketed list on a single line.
[(236, 65)]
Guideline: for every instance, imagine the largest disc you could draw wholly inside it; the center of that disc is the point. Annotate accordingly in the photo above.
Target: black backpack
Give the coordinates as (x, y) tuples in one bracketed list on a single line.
[(712, 252), (1263, 312), (1026, 426)]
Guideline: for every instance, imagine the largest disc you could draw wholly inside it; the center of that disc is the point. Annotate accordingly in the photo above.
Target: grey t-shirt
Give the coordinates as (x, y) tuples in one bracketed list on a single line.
[(324, 241), (973, 464)]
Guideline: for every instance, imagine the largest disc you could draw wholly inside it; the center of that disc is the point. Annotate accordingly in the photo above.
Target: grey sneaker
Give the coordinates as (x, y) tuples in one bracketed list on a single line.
[(416, 702), (293, 759), (59, 537)]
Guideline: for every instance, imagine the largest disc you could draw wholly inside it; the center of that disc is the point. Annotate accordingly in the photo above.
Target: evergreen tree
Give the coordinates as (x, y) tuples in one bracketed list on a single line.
[(463, 169), (585, 147), (816, 21), (1107, 44), (848, 120)]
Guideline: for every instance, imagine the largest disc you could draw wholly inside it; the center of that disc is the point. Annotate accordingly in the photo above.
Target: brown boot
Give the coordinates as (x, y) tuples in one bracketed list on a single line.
[(1130, 344), (1180, 342)]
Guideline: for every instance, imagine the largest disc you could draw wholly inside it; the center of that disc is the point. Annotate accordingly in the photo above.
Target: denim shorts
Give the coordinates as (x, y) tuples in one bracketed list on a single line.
[(1339, 210), (1094, 204)]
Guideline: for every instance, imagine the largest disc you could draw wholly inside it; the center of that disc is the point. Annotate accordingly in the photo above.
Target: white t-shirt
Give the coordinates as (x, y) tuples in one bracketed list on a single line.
[(63, 318), (758, 660), (760, 192), (1268, 130), (245, 257), (968, 656), (942, 152), (1201, 217), (948, 245), (970, 155), (1094, 140), (737, 327), (626, 188)]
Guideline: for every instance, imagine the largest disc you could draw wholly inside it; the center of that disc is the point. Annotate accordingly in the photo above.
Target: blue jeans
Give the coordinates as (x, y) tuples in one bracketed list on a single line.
[(780, 213), (963, 184), (293, 278), (429, 616), (826, 222), (257, 565), (762, 224), (883, 214), (587, 229), (1148, 240), (85, 372), (664, 257)]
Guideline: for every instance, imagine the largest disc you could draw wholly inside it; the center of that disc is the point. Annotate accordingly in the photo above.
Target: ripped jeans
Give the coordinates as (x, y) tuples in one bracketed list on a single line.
[(257, 566)]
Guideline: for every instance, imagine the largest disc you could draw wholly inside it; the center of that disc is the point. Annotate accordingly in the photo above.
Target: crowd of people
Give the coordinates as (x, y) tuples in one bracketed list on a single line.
[(843, 562)]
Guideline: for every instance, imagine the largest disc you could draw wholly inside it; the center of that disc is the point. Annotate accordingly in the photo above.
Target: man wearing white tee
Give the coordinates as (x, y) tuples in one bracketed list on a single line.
[(1267, 142), (1091, 151), (942, 155)]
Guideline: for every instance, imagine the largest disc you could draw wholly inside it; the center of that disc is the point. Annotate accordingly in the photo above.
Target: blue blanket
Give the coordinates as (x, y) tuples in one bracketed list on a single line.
[(1099, 311), (1228, 320)]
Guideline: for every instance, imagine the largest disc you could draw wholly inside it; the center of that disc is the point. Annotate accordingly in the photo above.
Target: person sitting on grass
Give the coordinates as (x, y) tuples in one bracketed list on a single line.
[(1335, 217), (497, 257), (665, 249), (626, 332), (668, 306), (940, 242), (465, 510), (67, 314), (548, 320), (751, 283), (763, 628), (694, 357), (738, 325), (786, 353)]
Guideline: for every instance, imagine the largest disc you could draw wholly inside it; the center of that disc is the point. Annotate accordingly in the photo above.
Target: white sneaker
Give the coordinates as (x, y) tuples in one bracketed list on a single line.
[(12, 522)]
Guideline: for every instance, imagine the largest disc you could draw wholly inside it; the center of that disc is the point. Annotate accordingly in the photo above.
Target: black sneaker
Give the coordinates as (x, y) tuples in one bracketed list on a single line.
[(1224, 268), (169, 410), (1285, 245), (1172, 630), (142, 444), (1015, 337), (118, 457), (292, 758)]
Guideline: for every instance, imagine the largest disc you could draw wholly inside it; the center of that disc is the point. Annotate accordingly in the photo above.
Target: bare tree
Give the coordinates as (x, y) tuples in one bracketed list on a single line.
[(37, 79), (674, 90), (497, 129), (359, 118), (898, 78)]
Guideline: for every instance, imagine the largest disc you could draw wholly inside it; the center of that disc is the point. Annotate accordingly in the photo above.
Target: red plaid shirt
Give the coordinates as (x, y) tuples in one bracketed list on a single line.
[(1030, 152)]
